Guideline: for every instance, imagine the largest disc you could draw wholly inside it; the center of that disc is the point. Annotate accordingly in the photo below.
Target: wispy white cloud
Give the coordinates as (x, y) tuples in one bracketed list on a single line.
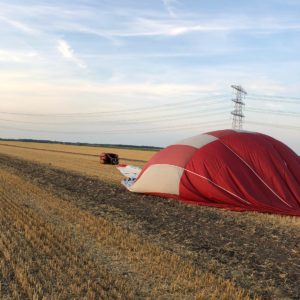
[(147, 27), (45, 10), (136, 23), (222, 24), (68, 53), (159, 55), (173, 28), (17, 56), (169, 5), (21, 26), (143, 27)]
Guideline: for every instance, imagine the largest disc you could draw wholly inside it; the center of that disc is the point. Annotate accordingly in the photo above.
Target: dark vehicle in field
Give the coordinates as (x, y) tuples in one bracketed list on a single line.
[(109, 158)]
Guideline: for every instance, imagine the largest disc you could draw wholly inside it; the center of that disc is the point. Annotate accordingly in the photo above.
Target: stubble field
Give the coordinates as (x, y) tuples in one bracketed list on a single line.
[(69, 230)]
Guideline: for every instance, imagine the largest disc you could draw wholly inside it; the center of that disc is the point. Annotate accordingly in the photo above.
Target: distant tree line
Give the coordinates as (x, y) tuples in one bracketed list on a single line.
[(146, 148)]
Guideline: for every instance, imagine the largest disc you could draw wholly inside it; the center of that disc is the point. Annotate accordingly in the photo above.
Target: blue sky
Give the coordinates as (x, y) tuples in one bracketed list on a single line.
[(61, 57)]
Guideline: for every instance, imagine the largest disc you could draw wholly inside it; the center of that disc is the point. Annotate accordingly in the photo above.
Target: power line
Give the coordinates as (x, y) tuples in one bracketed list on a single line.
[(172, 128), (207, 100), (133, 119), (153, 115), (275, 125), (161, 118), (273, 100), (187, 103), (276, 112), (128, 131), (275, 97)]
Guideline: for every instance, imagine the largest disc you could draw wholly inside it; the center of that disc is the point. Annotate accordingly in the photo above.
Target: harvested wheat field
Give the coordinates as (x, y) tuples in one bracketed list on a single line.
[(81, 159), (69, 230)]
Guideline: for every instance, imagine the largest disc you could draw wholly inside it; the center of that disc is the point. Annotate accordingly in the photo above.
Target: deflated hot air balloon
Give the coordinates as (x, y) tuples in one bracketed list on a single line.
[(236, 170)]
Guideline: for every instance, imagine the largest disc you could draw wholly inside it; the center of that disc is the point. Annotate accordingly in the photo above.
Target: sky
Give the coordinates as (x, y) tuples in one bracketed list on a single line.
[(147, 72)]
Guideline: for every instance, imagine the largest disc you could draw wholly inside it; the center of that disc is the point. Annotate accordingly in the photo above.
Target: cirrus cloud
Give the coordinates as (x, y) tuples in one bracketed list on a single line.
[(69, 54)]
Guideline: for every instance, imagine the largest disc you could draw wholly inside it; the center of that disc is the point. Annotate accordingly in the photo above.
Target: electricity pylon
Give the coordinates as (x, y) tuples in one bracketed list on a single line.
[(240, 93)]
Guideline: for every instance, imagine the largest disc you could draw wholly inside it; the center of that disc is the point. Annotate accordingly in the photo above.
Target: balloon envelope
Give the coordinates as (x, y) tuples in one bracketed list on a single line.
[(236, 170)]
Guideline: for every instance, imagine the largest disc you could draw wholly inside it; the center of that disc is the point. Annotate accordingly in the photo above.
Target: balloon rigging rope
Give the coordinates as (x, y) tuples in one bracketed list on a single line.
[(222, 188), (258, 176)]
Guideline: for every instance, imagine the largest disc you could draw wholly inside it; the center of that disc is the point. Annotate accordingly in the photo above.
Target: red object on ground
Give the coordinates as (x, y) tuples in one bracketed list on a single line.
[(109, 158), (236, 170)]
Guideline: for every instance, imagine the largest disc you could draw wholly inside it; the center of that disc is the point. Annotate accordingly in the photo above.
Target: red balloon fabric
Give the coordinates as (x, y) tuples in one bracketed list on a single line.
[(236, 170)]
